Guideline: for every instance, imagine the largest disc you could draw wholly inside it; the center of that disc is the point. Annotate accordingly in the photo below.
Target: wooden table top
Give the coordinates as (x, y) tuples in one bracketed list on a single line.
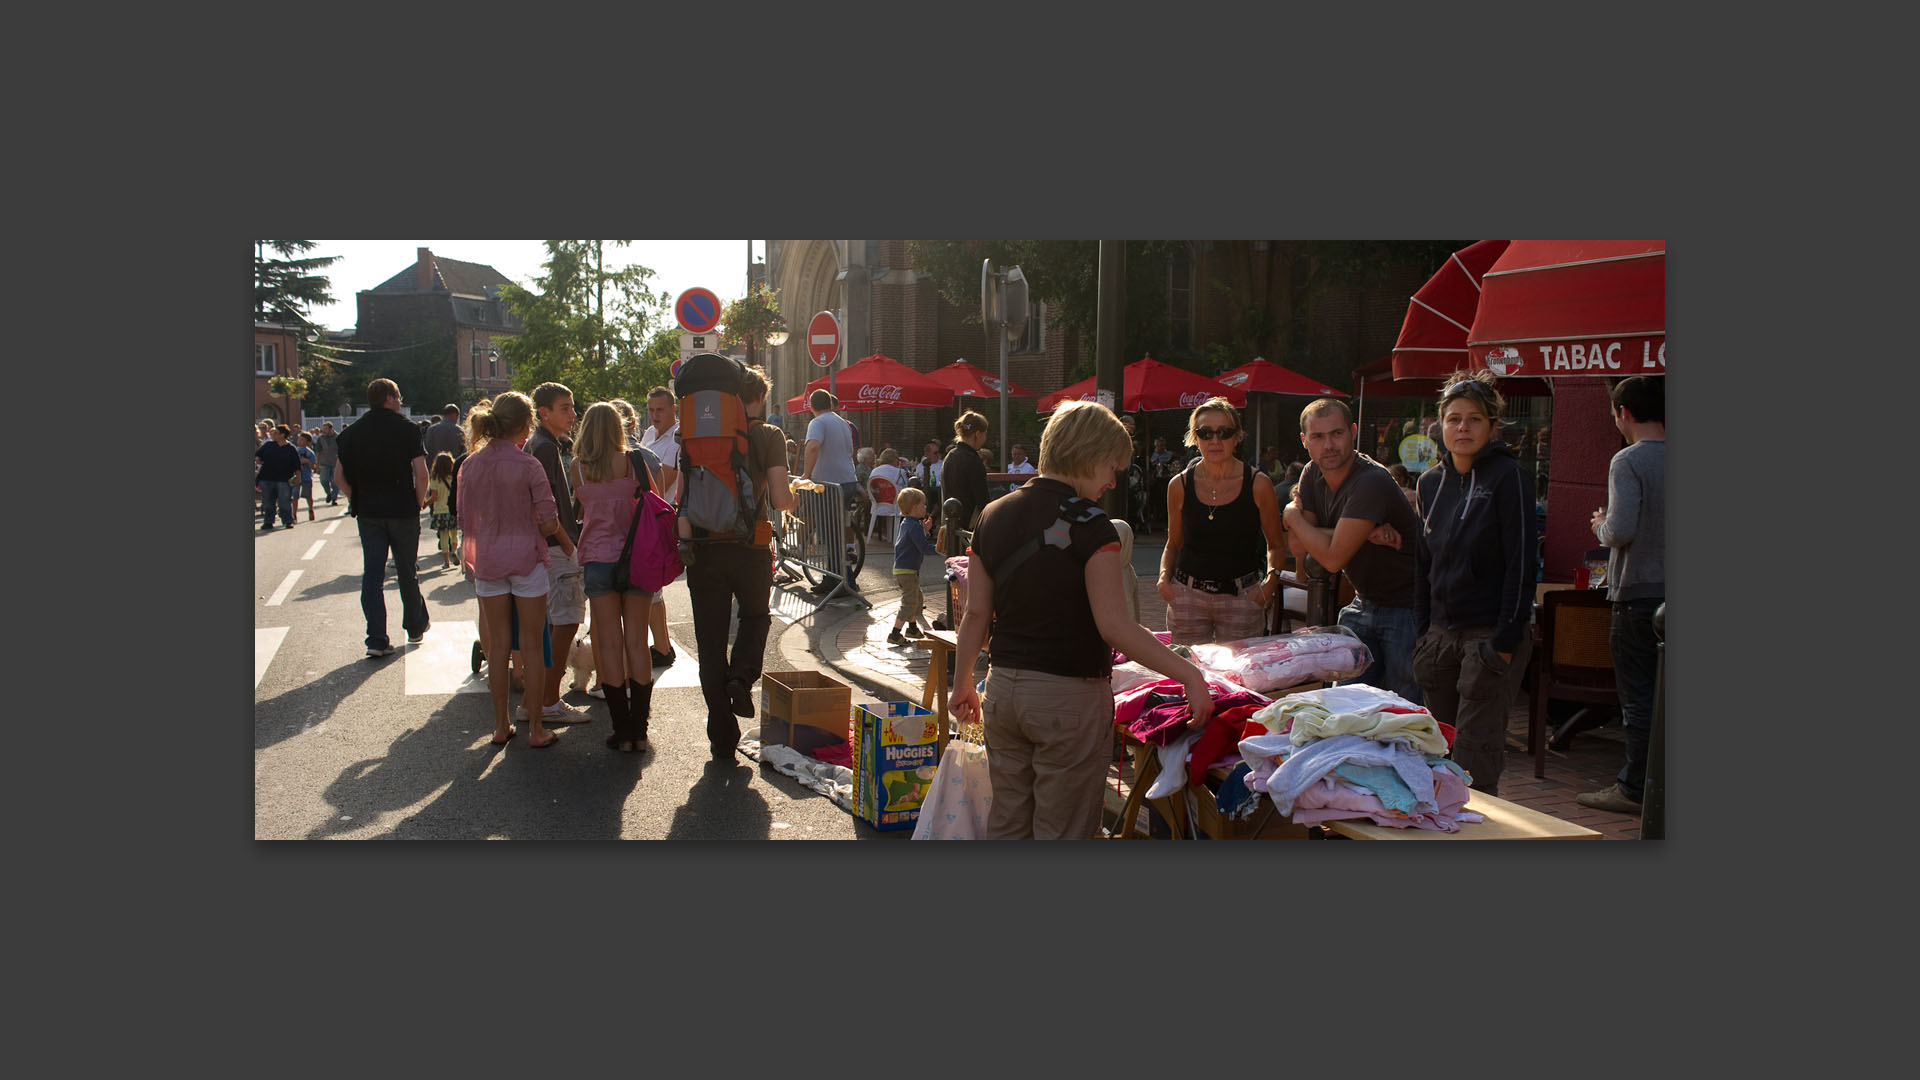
[(1505, 821)]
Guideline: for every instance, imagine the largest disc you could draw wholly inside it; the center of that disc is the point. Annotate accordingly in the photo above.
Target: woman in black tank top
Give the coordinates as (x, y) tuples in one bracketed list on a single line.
[(1225, 544)]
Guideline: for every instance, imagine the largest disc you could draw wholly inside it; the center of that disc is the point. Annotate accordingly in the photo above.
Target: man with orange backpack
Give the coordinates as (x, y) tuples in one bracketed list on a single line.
[(733, 471)]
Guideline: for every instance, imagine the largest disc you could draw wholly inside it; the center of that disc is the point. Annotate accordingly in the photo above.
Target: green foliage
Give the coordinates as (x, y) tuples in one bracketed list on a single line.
[(748, 320), (289, 386), (330, 385), (285, 288), (594, 329)]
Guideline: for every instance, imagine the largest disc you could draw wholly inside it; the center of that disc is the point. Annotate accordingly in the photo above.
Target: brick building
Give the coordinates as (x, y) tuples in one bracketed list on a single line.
[(276, 351), (888, 306), (446, 302)]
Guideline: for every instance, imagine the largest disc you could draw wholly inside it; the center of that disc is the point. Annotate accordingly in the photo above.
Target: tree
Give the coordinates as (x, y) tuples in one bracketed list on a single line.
[(286, 287), (586, 326), (748, 320)]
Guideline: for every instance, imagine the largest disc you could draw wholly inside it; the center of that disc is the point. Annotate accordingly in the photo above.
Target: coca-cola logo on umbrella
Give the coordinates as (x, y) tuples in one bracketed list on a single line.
[(875, 392), (994, 384), (1189, 400), (1236, 378)]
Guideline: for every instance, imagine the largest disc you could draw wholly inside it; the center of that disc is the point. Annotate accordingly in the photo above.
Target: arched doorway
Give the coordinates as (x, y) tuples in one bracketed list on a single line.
[(806, 273)]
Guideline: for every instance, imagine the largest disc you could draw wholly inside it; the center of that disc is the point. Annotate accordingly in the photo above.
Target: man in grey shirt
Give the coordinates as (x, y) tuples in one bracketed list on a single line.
[(1633, 525), (446, 436), (829, 457)]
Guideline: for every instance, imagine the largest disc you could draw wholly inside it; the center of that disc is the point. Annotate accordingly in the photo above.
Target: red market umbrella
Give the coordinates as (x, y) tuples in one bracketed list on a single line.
[(1433, 337), (1149, 385), (966, 380), (877, 382), (1262, 376), (1574, 307)]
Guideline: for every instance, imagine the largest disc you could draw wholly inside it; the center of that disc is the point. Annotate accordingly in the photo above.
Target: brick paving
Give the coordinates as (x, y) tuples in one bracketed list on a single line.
[(853, 644)]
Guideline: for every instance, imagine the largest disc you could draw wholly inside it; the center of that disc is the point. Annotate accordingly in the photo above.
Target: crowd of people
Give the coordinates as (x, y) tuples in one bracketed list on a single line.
[(535, 502)]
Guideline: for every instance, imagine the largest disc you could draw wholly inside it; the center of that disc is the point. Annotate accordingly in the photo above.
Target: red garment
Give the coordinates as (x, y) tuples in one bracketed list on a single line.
[(838, 753), (1224, 731)]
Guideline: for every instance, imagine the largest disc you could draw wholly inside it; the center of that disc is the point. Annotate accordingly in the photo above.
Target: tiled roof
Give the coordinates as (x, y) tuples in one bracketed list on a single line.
[(461, 278)]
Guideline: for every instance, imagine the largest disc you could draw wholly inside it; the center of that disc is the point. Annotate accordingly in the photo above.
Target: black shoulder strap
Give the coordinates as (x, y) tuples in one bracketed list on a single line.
[(640, 471), (1074, 510)]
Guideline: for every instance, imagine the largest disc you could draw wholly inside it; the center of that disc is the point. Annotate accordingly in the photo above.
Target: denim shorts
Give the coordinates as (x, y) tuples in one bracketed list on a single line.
[(599, 580)]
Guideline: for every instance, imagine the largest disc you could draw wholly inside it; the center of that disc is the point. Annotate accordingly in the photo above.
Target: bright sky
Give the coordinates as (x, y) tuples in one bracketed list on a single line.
[(720, 265)]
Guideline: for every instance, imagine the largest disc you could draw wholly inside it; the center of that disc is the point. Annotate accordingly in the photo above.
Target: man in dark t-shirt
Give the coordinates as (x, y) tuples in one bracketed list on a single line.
[(279, 464), (382, 467), (554, 416), (722, 575), (1351, 516)]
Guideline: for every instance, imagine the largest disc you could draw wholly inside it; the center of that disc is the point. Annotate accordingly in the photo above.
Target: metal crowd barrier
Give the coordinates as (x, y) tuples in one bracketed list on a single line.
[(814, 534)]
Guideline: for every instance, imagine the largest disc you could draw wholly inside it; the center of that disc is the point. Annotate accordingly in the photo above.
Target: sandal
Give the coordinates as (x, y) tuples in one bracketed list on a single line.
[(511, 732)]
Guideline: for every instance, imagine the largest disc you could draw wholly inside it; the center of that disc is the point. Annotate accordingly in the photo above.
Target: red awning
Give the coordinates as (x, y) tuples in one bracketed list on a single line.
[(1574, 307), (967, 380), (877, 382), (1260, 376), (1433, 337), (1149, 385), (1376, 380)]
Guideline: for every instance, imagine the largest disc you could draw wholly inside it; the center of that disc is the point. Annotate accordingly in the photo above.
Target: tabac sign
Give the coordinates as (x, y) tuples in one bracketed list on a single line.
[(1618, 357)]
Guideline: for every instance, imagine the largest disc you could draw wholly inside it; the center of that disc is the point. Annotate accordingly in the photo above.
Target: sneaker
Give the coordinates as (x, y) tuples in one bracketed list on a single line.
[(598, 691), (740, 694), (559, 713), (913, 630), (896, 638), (381, 650), (415, 639), (1609, 798), (266, 528)]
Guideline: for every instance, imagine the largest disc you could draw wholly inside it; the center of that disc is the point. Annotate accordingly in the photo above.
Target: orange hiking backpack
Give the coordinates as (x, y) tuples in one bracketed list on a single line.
[(717, 499)]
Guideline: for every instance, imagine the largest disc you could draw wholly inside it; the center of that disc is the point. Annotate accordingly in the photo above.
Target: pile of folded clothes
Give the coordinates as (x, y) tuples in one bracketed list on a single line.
[(1350, 752), (1277, 661)]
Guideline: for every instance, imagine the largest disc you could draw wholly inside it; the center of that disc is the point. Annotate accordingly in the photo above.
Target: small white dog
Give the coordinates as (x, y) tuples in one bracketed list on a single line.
[(580, 666)]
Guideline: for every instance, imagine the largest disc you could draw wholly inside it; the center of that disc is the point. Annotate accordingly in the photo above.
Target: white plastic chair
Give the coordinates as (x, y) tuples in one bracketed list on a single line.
[(882, 492)]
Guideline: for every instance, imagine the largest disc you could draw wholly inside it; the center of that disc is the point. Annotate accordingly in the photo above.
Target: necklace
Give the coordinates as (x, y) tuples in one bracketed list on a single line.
[(1213, 491)]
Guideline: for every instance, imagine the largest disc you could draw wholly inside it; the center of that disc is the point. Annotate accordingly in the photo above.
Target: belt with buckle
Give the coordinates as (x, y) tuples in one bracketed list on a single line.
[(1228, 588)]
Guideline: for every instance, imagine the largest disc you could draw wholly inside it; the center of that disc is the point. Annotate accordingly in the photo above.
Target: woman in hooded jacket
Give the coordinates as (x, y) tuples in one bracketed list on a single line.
[(1474, 578)]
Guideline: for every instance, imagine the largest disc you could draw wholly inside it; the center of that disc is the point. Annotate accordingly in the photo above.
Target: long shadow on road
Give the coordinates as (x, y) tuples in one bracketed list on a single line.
[(575, 790)]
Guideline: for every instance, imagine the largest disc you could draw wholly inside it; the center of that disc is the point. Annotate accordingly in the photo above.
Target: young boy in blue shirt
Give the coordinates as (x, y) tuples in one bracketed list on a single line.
[(909, 550)]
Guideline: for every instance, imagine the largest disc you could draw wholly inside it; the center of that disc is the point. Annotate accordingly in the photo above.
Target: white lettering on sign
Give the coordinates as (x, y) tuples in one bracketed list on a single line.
[(1646, 357), (1585, 357), (1195, 398), (873, 392)]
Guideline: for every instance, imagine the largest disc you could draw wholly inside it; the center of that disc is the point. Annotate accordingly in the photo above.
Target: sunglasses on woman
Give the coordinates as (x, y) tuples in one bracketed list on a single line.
[(1206, 433)]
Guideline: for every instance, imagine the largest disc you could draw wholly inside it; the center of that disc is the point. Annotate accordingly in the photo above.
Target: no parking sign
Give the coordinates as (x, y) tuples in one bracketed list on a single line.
[(697, 309)]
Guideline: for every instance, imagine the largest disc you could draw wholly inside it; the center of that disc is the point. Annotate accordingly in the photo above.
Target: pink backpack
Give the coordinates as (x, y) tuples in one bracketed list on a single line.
[(655, 561)]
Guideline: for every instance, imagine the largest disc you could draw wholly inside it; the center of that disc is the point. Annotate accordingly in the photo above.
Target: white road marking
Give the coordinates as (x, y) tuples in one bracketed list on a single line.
[(443, 663), (266, 642), (280, 594), (684, 673), (328, 531), (315, 549)]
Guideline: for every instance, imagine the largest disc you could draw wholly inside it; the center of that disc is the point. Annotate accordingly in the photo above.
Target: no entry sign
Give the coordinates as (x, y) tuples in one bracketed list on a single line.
[(823, 338), (697, 309)]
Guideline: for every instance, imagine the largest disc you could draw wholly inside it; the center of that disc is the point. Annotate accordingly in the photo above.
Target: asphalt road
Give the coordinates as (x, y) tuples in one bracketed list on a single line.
[(350, 747)]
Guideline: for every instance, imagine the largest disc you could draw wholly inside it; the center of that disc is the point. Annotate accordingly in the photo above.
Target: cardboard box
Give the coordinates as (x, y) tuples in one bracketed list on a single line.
[(896, 754), (805, 710)]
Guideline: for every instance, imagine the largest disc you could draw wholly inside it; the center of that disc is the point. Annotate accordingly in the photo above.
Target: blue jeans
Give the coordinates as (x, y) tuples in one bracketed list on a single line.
[(326, 481), (276, 494), (1635, 657), (400, 537), (1389, 635)]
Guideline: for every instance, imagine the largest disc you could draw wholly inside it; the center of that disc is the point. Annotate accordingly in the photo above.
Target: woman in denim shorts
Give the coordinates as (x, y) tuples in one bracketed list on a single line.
[(606, 478)]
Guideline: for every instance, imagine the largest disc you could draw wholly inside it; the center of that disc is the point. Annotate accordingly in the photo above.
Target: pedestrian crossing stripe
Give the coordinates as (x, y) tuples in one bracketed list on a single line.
[(315, 549), (266, 642), (328, 531)]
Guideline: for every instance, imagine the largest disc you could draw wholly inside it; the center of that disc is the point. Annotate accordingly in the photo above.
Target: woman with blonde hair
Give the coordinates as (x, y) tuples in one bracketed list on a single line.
[(506, 509), (1044, 593), (1225, 540), (607, 476)]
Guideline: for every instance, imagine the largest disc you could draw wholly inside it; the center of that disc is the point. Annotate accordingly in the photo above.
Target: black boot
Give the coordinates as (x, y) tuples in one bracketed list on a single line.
[(619, 710), (640, 707)]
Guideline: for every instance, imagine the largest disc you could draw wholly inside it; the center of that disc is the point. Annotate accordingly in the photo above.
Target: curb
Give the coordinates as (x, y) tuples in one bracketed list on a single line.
[(811, 644)]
